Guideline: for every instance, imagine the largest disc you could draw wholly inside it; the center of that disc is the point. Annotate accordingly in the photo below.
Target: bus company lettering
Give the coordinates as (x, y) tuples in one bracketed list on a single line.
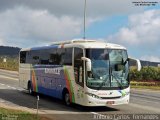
[(53, 71)]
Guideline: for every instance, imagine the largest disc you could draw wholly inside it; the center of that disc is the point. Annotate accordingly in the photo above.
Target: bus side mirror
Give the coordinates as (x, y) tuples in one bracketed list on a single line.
[(138, 63), (88, 63), (139, 67)]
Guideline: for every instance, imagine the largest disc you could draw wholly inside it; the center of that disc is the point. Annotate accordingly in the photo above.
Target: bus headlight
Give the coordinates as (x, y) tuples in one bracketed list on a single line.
[(93, 95)]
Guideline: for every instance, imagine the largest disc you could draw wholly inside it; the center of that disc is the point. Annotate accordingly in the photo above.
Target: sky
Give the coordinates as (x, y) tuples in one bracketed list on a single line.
[(29, 23)]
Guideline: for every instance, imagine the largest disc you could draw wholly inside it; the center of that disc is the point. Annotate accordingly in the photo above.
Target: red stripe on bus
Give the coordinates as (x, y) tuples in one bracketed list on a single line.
[(68, 84)]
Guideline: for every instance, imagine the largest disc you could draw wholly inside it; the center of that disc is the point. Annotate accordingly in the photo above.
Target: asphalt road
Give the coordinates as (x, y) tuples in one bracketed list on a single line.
[(141, 102)]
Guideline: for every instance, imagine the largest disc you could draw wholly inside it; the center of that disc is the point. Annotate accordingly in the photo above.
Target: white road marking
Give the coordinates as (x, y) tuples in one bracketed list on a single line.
[(19, 89), (2, 76), (8, 71), (2, 101), (2, 84), (14, 88)]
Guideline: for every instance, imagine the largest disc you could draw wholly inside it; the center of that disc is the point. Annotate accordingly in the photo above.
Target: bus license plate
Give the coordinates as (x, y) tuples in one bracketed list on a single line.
[(110, 102)]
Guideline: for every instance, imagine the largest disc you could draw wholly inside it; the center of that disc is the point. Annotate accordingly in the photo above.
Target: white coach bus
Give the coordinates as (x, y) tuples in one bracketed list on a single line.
[(84, 72)]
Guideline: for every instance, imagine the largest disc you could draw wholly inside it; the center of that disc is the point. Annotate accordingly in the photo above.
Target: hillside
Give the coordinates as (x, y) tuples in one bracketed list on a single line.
[(9, 51)]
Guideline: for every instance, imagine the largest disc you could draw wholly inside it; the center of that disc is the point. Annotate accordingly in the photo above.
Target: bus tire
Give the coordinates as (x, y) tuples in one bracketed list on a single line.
[(30, 90), (66, 98)]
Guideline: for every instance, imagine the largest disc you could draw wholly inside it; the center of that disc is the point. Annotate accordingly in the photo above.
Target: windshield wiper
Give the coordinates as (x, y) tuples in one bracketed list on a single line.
[(111, 73), (120, 84)]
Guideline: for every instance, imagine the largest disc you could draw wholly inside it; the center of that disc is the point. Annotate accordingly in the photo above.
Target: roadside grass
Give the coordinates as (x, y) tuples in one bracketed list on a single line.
[(10, 114), (10, 65), (145, 85)]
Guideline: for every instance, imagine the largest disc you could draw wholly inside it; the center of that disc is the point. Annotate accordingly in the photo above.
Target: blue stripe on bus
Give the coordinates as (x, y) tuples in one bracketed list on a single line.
[(50, 84)]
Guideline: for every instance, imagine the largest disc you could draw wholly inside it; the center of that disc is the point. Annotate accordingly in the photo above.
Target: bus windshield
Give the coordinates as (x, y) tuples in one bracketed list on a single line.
[(109, 69)]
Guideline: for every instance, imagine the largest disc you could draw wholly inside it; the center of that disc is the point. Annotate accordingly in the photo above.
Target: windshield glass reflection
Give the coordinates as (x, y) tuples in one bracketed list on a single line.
[(109, 68)]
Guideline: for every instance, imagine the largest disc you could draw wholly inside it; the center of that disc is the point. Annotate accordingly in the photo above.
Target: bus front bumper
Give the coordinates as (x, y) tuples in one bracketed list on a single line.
[(91, 101)]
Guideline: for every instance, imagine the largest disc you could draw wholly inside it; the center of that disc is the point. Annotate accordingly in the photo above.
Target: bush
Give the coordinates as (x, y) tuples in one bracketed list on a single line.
[(146, 74), (134, 83), (10, 64)]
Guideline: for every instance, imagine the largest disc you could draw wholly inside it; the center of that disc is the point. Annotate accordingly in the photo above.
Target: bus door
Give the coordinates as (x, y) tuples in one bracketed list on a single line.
[(79, 74)]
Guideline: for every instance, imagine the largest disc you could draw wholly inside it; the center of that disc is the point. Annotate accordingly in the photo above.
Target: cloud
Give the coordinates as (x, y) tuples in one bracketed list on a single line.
[(25, 27), (28, 22), (1, 42), (75, 7), (142, 33), (143, 29), (150, 58)]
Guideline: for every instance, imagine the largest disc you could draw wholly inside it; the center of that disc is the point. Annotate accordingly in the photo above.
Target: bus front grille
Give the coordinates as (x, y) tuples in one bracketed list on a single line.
[(111, 97)]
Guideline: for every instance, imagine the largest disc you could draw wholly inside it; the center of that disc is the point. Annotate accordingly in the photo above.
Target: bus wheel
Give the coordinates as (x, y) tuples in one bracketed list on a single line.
[(67, 99), (30, 89)]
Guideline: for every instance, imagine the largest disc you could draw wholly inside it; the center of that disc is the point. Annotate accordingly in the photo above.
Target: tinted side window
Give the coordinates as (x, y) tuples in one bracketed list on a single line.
[(23, 57), (34, 57), (44, 56), (49, 56), (60, 53), (38, 57), (67, 56), (78, 53), (53, 57)]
